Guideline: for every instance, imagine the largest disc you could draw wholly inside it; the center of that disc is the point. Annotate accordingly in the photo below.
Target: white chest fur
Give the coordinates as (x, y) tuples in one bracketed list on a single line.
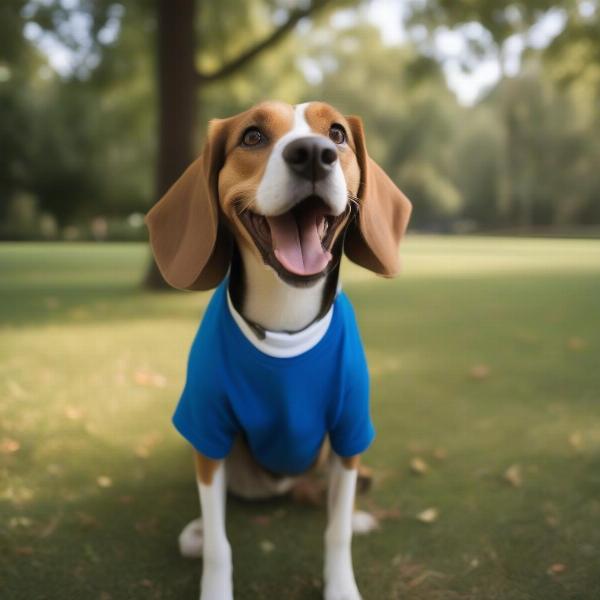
[(274, 304)]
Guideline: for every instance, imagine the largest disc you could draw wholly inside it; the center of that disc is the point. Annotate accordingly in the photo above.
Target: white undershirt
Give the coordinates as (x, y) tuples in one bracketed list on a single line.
[(279, 344)]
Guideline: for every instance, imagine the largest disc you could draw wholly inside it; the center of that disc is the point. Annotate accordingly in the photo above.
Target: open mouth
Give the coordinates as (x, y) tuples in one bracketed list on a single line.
[(298, 242)]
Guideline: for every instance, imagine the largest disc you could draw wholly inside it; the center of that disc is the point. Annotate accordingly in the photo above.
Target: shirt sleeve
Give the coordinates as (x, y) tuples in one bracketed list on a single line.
[(203, 415), (353, 431)]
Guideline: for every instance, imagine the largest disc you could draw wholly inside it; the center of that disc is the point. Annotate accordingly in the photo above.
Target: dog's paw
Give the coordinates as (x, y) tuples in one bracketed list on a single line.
[(216, 584), (363, 522), (191, 539), (342, 591), (338, 574)]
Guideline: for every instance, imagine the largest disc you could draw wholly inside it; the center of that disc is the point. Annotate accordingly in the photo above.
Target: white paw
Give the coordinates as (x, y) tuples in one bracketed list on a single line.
[(363, 522), (191, 539), (216, 583), (342, 590), (339, 575)]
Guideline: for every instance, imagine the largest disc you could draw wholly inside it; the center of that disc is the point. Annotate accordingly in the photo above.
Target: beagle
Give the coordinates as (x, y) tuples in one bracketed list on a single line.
[(277, 373)]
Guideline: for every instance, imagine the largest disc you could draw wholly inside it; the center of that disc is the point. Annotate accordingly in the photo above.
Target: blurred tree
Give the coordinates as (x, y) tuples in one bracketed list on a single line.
[(16, 63), (58, 131), (502, 20), (410, 116), (81, 136), (179, 80), (553, 154), (575, 52)]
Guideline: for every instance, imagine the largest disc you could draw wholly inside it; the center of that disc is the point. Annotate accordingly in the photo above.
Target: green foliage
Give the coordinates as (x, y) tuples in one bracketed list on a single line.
[(501, 18), (552, 151), (83, 144), (410, 116)]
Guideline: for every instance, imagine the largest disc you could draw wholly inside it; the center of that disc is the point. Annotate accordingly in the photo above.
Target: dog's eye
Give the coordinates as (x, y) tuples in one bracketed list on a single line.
[(253, 137), (337, 134)]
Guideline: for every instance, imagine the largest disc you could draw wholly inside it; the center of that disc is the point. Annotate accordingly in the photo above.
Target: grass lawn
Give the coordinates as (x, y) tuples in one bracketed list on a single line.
[(485, 360)]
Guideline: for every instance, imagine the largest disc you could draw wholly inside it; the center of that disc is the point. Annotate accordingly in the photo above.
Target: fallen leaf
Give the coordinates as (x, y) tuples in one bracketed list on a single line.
[(145, 377), (104, 481), (552, 521), (262, 520), (51, 302), (79, 313), (24, 551), (557, 569), (383, 514), (480, 372), (576, 440), (429, 515), (309, 492), (267, 547), (514, 476), (418, 466), (147, 444), (86, 520), (50, 527), (142, 451), (15, 522), (9, 446), (440, 454), (576, 343), (15, 389), (91, 554), (73, 413), (147, 583), (419, 579), (147, 526), (54, 469)]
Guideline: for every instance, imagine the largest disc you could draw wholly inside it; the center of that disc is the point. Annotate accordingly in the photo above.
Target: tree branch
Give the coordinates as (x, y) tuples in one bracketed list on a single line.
[(230, 67)]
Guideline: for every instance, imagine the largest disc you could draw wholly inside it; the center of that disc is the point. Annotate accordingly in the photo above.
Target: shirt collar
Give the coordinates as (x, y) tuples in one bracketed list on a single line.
[(279, 344)]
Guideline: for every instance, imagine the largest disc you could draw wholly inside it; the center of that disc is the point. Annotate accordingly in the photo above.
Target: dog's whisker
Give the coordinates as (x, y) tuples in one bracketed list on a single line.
[(243, 205), (354, 201)]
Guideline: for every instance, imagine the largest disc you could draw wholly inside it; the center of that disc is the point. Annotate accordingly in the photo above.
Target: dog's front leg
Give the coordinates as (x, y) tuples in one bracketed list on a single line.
[(216, 581), (339, 574)]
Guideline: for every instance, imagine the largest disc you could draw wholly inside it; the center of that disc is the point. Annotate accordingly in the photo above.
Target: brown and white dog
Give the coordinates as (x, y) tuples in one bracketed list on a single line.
[(277, 195)]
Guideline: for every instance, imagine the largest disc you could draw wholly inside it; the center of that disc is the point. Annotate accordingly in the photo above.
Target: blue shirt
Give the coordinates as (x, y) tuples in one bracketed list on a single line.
[(284, 406)]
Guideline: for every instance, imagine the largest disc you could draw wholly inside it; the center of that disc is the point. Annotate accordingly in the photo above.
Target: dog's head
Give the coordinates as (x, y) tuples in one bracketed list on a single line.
[(285, 182)]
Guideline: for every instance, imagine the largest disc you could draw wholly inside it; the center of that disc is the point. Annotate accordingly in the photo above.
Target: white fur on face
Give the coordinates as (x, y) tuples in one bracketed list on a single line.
[(280, 188)]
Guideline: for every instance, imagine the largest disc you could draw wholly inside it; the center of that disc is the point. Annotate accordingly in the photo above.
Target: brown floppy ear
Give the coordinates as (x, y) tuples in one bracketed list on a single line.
[(373, 238), (192, 249)]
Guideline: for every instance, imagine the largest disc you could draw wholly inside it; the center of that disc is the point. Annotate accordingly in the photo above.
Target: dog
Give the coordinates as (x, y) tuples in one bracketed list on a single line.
[(277, 378)]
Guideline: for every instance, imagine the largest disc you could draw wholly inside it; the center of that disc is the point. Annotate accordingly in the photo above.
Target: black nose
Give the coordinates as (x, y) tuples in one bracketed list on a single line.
[(312, 157)]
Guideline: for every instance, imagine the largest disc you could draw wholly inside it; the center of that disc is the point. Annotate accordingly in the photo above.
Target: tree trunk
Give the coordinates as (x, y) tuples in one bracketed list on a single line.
[(177, 87), (505, 187)]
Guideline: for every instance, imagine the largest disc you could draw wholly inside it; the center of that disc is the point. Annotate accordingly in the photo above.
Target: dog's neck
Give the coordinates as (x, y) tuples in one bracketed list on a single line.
[(266, 300)]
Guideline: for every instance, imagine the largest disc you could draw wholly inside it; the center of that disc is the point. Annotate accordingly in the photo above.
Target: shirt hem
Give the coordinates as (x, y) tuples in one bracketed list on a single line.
[(203, 447), (356, 448)]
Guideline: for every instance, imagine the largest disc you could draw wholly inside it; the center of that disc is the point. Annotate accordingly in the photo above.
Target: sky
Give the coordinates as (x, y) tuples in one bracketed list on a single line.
[(449, 46)]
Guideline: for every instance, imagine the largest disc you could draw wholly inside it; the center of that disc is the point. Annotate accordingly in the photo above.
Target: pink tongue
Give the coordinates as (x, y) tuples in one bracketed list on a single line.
[(297, 243)]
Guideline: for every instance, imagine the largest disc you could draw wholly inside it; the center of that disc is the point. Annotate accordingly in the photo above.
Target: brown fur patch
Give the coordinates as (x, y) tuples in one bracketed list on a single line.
[(351, 462), (321, 116), (205, 468), (244, 168)]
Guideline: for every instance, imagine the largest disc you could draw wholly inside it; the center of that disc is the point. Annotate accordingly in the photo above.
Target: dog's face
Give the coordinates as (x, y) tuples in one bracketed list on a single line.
[(286, 183), (280, 180)]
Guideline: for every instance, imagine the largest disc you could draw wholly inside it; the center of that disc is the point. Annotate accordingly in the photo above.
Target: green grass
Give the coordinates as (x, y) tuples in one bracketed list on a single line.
[(95, 484)]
